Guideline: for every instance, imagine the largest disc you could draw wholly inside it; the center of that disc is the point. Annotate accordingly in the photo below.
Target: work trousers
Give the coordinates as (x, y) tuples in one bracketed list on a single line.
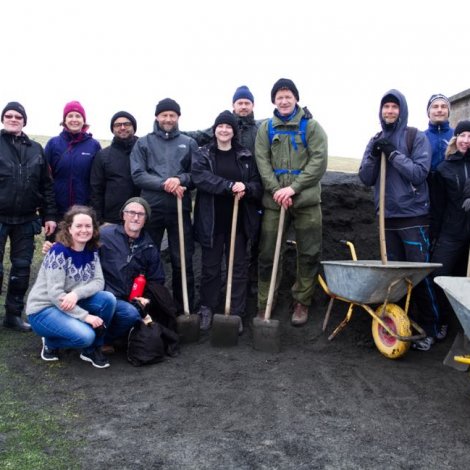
[(307, 223)]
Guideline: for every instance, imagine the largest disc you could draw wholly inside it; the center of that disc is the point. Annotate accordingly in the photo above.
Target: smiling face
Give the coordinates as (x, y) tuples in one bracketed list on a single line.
[(439, 112), (463, 142), (81, 231), (122, 128), (13, 122), (168, 120), (134, 217), (390, 112), (243, 107), (74, 122), (285, 102), (224, 134)]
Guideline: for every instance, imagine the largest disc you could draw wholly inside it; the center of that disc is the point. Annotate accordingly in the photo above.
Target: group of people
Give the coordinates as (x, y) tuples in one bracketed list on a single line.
[(115, 204), (427, 199), (135, 182)]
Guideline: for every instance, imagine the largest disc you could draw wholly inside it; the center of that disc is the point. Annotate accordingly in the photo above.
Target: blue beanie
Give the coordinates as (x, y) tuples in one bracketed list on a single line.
[(243, 92)]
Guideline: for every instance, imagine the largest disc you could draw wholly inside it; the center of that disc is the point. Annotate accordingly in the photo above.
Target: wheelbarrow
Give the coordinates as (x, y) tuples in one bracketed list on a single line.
[(457, 291), (364, 282)]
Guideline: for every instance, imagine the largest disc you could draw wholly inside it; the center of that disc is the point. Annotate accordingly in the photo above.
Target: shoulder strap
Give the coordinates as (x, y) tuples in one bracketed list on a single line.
[(410, 138), (302, 132)]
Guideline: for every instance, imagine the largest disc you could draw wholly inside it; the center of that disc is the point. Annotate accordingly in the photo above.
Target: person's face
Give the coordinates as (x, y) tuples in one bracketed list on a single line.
[(285, 102), (439, 112), (134, 217), (463, 142), (13, 122), (243, 107), (390, 112), (74, 122), (168, 120), (81, 230), (122, 128), (224, 133)]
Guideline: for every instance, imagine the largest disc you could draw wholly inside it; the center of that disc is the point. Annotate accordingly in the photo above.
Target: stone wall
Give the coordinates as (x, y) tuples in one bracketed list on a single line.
[(460, 107)]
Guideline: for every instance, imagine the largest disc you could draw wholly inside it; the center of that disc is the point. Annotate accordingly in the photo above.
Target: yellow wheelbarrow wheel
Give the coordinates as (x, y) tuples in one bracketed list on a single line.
[(398, 322)]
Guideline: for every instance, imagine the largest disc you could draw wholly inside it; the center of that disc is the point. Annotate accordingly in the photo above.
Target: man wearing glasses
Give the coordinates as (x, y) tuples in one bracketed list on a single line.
[(25, 188), (161, 167), (110, 180)]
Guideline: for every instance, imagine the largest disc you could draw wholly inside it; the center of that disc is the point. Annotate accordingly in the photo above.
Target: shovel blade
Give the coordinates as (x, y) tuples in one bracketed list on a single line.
[(460, 347), (188, 328), (266, 335), (224, 332)]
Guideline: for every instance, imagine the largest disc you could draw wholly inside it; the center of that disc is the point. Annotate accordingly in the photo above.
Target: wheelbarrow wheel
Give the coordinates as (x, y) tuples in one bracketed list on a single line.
[(398, 322)]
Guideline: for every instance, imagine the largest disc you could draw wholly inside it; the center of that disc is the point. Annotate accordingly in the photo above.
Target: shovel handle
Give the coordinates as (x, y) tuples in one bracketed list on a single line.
[(184, 286), (231, 256), (383, 245), (277, 251)]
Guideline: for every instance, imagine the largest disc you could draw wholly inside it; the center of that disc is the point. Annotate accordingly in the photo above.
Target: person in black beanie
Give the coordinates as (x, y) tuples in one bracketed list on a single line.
[(161, 169), (26, 187), (221, 171), (111, 181)]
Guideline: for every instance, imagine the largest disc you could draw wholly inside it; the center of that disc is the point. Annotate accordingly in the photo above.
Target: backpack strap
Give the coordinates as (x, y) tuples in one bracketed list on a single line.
[(410, 139), (302, 131)]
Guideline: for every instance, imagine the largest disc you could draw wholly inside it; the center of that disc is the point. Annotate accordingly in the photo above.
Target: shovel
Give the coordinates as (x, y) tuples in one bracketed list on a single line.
[(267, 332), (187, 325), (225, 327)]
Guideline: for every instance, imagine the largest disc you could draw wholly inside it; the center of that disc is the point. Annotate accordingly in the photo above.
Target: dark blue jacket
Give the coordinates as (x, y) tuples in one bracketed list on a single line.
[(439, 137), (209, 185), (122, 263), (70, 157), (406, 189)]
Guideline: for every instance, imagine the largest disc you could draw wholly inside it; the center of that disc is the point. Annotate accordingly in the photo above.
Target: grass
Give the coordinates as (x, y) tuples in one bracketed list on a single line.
[(33, 423)]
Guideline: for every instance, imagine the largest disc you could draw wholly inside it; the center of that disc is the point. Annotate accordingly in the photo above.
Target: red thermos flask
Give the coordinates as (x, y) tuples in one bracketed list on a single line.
[(138, 286)]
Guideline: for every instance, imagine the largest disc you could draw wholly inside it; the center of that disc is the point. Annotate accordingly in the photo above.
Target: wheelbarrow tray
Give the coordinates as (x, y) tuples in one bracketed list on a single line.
[(369, 281), (457, 290)]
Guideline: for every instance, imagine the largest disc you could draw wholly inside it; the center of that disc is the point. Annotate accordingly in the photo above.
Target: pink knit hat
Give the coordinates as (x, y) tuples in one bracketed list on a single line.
[(74, 106)]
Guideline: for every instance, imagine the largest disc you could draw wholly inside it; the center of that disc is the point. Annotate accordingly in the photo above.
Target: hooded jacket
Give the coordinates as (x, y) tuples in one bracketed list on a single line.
[(70, 157), (406, 189), (209, 185), (155, 158)]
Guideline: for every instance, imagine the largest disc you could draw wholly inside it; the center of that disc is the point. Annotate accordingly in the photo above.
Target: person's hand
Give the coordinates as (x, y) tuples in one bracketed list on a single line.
[(385, 146), (376, 150), (93, 320), (239, 189), (287, 203), (49, 227), (466, 205), (171, 185), (69, 301), (282, 195), (179, 192), (46, 246)]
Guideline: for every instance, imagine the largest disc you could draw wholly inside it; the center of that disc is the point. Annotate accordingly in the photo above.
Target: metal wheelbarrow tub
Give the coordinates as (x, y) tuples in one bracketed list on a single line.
[(457, 290), (371, 281)]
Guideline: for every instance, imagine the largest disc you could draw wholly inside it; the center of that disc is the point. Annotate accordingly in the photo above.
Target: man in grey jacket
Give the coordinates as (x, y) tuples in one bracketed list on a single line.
[(161, 168)]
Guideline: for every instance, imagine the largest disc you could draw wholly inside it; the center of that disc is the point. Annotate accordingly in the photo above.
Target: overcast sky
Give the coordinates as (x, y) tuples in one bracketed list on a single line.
[(121, 54)]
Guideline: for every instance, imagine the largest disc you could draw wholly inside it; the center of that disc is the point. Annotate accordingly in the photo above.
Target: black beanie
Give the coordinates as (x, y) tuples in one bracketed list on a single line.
[(124, 114), (284, 83), (167, 105), (462, 126), (15, 106), (142, 202), (389, 99), (226, 117)]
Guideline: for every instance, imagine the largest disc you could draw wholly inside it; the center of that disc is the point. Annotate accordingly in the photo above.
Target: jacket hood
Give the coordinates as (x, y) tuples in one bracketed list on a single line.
[(400, 125)]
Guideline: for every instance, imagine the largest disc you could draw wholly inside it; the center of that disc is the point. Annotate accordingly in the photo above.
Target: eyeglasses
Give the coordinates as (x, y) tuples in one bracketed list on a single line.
[(13, 116), (135, 214), (117, 125)]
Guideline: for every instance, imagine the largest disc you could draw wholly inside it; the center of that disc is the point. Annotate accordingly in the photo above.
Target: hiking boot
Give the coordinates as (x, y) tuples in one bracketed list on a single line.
[(48, 354), (300, 315), (96, 358), (206, 318), (15, 322), (423, 344), (442, 332)]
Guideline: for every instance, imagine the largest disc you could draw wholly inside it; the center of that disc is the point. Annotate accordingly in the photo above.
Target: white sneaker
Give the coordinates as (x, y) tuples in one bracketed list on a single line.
[(423, 344)]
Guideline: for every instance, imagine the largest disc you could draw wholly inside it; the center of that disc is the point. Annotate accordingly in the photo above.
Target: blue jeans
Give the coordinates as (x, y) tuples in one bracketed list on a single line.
[(63, 331), (125, 317)]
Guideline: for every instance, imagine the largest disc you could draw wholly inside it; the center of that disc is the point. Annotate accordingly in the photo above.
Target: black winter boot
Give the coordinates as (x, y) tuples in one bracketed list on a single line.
[(16, 323)]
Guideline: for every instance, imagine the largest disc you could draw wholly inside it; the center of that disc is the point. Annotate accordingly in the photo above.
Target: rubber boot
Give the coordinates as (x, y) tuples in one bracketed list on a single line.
[(15, 322)]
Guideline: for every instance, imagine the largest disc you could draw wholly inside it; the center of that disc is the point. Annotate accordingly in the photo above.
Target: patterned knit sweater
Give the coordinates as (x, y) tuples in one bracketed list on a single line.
[(62, 271)]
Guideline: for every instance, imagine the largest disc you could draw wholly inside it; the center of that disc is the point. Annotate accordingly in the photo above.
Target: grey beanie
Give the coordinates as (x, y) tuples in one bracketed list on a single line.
[(142, 202)]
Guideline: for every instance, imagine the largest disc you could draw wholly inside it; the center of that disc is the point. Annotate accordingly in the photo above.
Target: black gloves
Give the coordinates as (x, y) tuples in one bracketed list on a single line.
[(383, 145)]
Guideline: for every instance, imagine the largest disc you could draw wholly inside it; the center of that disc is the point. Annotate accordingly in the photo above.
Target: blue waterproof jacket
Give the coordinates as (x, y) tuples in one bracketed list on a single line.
[(439, 136), (406, 189), (70, 157)]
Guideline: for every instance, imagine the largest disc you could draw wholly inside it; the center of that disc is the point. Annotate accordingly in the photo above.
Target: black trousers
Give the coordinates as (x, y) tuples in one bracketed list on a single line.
[(161, 221), (21, 256), (211, 276)]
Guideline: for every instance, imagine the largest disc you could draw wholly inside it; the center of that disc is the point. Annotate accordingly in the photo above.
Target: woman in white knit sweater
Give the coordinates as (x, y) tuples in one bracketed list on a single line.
[(67, 305)]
